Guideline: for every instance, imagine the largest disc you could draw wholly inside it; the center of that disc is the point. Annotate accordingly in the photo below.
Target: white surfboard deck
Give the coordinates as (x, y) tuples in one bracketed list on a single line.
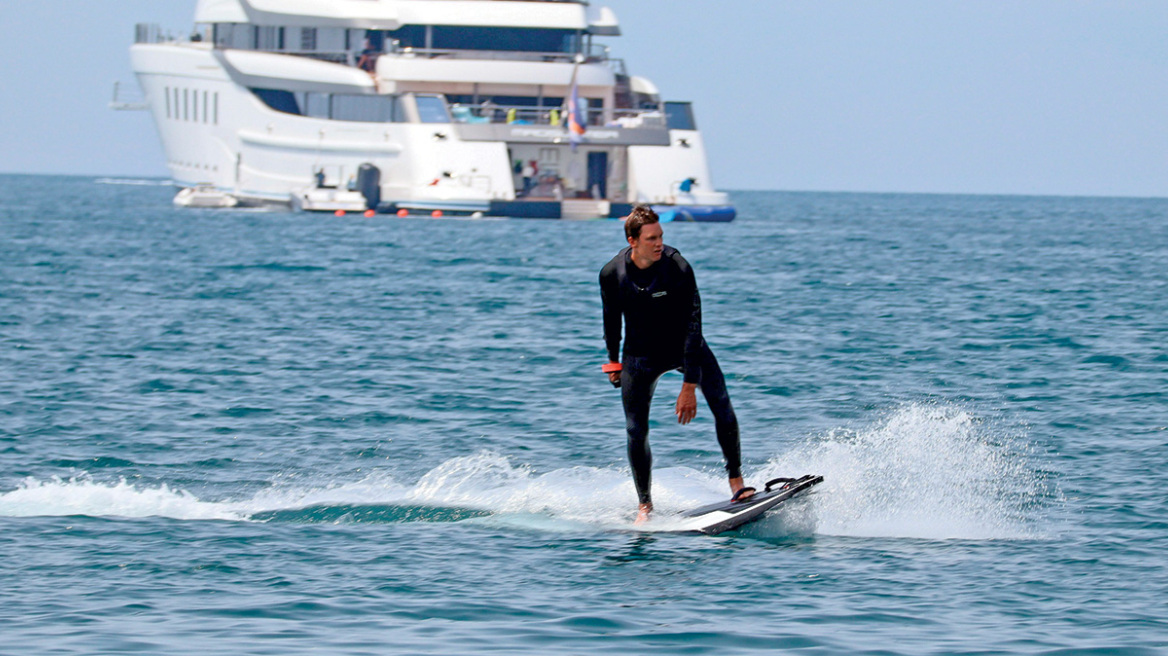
[(726, 515)]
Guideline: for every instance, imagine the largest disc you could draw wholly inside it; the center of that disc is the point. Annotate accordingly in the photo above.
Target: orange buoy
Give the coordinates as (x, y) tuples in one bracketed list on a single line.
[(403, 213), (437, 214), (369, 214), (339, 213)]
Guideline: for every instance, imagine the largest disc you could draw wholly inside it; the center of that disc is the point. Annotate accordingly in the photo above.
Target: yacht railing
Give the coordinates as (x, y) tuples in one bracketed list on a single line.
[(350, 58), (617, 65), (152, 33), (135, 102), (555, 116), (596, 53), (638, 118)]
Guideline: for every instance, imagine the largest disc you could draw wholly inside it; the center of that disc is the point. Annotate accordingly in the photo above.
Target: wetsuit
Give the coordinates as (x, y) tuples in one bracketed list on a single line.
[(663, 331)]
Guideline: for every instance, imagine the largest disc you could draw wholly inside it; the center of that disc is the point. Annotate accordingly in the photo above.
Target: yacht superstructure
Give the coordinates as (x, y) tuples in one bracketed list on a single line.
[(498, 107)]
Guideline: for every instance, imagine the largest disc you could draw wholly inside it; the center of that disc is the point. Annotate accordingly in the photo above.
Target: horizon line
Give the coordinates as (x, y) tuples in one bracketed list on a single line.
[(1010, 194)]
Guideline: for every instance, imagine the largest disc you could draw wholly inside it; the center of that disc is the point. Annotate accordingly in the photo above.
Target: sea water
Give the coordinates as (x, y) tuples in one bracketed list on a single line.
[(257, 432)]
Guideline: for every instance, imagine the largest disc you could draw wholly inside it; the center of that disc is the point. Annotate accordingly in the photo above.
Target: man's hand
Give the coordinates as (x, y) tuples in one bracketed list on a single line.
[(613, 369), (687, 404)]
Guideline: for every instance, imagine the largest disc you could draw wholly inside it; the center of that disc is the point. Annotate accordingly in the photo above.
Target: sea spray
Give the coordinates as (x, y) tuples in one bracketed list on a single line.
[(930, 471)]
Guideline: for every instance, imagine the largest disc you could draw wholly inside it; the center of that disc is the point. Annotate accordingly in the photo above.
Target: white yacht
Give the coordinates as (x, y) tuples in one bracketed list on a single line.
[(474, 107)]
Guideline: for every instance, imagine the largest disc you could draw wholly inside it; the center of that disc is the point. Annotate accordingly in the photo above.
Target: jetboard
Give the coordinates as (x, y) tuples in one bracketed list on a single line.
[(726, 515)]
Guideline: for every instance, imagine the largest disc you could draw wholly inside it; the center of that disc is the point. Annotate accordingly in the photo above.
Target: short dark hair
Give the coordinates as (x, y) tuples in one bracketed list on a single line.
[(641, 215)]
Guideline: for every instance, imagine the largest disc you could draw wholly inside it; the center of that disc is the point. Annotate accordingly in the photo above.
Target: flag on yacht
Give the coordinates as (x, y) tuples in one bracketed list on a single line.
[(576, 120)]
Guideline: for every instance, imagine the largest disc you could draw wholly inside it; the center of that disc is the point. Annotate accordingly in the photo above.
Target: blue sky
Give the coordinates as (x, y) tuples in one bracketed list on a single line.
[(1065, 97)]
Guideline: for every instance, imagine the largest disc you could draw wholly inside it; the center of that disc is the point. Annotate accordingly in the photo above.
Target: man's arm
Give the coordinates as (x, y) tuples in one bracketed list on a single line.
[(687, 402), (693, 334), (610, 299)]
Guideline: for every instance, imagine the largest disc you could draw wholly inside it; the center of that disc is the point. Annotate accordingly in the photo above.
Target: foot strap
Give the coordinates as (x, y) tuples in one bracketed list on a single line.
[(786, 481), (738, 495)]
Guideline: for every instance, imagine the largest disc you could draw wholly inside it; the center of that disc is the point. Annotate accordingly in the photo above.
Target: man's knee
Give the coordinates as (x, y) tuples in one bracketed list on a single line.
[(720, 406), (726, 419), (637, 431)]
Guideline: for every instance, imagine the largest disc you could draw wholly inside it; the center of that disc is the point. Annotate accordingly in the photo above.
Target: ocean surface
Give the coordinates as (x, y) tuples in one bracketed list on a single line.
[(256, 432)]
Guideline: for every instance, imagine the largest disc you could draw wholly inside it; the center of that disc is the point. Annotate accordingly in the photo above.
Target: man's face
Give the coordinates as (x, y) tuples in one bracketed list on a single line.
[(650, 245)]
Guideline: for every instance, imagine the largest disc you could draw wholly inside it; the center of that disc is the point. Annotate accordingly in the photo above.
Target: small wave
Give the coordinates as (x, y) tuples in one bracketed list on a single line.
[(477, 487), (369, 514), (274, 266), (137, 182), (81, 496)]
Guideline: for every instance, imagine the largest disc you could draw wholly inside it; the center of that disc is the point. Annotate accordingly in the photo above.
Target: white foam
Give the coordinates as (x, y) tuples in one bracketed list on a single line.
[(80, 496), (570, 497), (923, 471), (375, 489)]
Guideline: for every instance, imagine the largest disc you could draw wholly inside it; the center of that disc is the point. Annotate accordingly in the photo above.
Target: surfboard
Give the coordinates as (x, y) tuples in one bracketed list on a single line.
[(726, 515)]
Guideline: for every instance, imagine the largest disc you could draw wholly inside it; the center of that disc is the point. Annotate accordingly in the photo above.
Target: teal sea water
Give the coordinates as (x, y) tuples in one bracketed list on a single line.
[(250, 432)]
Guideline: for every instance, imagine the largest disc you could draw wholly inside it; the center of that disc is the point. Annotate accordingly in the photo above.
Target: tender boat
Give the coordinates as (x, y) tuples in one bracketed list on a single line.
[(204, 195)]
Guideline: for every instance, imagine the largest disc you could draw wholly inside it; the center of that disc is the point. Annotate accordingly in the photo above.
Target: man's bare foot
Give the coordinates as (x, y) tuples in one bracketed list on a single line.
[(643, 511), (737, 484)]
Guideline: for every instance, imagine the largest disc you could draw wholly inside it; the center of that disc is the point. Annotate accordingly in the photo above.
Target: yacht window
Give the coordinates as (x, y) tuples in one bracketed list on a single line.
[(308, 38), (278, 99), (504, 101), (186, 104), (216, 108), (268, 38), (329, 40), (447, 37), (337, 106), (195, 105), (365, 109), (166, 94), (230, 35), (409, 36), (376, 39), (432, 109), (316, 105), (679, 116)]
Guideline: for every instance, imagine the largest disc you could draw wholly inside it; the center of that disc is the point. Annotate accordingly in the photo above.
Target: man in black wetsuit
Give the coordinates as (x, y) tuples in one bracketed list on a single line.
[(652, 287)]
